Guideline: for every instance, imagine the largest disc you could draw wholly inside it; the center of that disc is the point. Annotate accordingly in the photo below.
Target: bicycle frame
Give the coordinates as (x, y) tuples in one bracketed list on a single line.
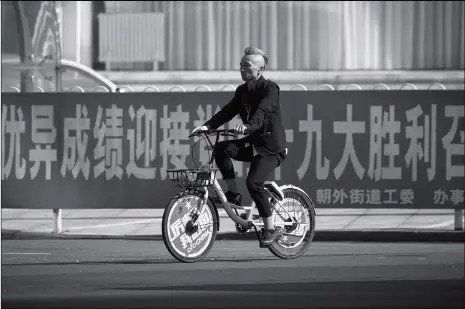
[(249, 222)]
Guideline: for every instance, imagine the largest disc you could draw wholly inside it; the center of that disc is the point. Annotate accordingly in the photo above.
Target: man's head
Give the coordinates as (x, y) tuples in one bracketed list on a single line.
[(253, 64)]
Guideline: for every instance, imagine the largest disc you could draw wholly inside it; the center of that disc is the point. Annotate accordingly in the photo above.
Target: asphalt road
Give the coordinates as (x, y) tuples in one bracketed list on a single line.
[(236, 274)]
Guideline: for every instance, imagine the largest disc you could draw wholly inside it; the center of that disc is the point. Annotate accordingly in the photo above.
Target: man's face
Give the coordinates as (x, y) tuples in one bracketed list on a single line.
[(250, 67)]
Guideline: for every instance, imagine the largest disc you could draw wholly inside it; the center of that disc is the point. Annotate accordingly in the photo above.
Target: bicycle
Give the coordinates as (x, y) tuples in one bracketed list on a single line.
[(190, 236)]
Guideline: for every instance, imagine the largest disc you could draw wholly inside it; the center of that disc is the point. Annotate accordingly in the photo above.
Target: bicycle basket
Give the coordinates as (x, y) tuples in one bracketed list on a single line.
[(192, 177)]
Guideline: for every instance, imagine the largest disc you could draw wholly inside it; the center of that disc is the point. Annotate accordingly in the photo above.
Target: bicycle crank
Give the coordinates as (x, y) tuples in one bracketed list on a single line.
[(239, 228)]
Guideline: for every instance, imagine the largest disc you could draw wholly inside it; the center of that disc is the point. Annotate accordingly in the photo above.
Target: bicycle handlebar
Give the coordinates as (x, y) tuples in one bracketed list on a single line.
[(213, 131)]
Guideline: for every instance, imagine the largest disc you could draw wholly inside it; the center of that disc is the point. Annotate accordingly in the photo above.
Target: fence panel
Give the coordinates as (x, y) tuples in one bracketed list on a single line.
[(135, 37), (347, 149)]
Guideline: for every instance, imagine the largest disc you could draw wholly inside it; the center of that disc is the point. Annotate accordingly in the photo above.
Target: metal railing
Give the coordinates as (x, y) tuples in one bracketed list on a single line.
[(381, 86), (301, 87)]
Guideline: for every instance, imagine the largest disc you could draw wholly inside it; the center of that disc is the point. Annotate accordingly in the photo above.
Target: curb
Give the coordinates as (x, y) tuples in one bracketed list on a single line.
[(325, 236)]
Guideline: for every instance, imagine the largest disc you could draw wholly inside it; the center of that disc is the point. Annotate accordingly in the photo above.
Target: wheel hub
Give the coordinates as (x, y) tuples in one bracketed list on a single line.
[(191, 228), (290, 228)]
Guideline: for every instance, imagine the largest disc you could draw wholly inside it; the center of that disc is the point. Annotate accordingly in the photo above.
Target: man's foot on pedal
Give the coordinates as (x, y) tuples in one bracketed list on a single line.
[(269, 237), (234, 198)]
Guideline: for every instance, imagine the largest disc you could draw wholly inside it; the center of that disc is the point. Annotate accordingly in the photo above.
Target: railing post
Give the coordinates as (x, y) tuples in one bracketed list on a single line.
[(458, 218), (57, 227)]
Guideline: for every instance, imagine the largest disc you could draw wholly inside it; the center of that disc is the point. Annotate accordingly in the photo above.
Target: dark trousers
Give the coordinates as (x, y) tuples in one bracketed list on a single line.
[(261, 167)]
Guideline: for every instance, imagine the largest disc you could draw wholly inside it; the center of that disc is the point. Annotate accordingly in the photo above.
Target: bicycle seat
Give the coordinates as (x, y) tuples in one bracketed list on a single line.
[(273, 187)]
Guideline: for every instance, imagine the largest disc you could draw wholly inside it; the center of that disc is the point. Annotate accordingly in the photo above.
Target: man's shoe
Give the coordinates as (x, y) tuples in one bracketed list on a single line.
[(234, 198), (269, 237)]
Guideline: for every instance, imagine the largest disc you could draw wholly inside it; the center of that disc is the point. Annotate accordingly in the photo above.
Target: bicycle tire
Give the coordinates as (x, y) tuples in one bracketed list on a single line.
[(276, 248), (174, 250)]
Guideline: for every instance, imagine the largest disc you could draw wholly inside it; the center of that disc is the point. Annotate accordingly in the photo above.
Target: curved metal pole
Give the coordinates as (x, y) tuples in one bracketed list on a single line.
[(408, 85), (25, 46), (355, 86), (226, 86), (77, 87), (203, 86), (325, 85), (125, 87), (152, 87), (178, 87), (299, 85), (436, 84), (381, 85)]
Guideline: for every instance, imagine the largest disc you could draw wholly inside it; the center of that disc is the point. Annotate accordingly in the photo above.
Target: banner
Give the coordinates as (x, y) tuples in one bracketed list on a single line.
[(347, 149)]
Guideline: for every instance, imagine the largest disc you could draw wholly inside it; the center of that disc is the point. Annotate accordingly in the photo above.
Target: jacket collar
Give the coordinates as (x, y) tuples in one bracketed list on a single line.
[(259, 81)]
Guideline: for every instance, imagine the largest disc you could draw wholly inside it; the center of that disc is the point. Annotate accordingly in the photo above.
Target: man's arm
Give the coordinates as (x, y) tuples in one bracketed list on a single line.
[(268, 104), (228, 112)]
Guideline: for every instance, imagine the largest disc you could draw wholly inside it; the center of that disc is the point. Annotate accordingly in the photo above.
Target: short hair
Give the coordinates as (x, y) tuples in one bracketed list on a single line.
[(256, 51)]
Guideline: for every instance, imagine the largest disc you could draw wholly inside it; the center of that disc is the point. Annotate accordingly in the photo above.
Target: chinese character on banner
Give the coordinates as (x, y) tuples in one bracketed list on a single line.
[(380, 127), (174, 131), (43, 134), (289, 139), (456, 196), (406, 196), (110, 143), (454, 149), (357, 196), (390, 193), (13, 128), (349, 128), (339, 195), (440, 197), (323, 196), (204, 115), (142, 141), (74, 147), (373, 196), (313, 126), (415, 132)]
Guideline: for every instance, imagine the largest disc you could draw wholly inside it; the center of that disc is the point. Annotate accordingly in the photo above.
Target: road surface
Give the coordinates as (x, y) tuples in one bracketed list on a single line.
[(236, 274)]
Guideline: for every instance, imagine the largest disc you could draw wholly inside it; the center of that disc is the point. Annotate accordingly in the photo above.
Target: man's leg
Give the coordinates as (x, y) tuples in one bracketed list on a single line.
[(224, 153), (260, 168)]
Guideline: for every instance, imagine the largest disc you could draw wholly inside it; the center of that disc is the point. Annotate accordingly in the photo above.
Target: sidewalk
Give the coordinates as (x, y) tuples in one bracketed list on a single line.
[(331, 224)]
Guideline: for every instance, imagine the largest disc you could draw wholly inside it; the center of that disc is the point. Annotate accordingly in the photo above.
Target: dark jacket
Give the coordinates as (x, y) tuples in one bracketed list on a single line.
[(264, 124)]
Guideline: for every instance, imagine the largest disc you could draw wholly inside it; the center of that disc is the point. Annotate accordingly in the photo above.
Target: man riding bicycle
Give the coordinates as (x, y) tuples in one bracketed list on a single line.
[(257, 103)]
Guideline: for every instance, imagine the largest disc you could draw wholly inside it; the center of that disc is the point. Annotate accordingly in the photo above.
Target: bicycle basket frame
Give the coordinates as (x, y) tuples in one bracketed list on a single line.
[(192, 178)]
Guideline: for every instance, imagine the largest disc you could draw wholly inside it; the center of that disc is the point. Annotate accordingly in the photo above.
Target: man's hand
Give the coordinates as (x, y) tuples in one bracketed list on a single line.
[(240, 129), (200, 128)]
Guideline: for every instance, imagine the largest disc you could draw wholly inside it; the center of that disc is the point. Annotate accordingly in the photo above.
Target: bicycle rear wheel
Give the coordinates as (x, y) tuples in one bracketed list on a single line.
[(189, 226), (296, 239)]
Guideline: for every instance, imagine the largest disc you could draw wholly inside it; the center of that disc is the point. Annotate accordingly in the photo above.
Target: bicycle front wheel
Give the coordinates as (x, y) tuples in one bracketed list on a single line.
[(189, 227)]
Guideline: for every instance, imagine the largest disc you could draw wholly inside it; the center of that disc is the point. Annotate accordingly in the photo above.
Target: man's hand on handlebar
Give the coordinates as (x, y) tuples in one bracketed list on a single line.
[(240, 129), (199, 128)]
